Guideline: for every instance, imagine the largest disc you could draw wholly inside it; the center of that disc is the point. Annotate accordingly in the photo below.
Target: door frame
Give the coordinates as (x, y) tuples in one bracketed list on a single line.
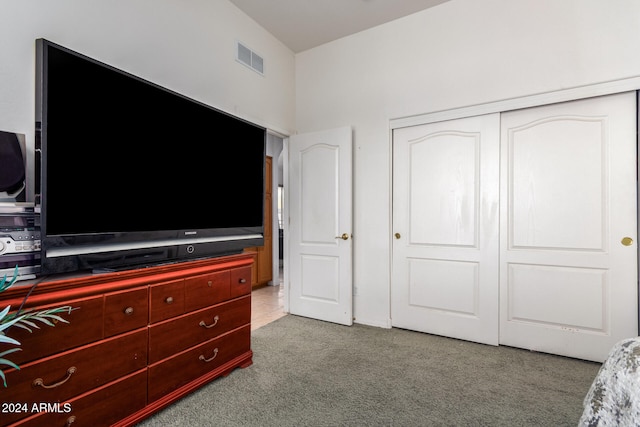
[(563, 95), (285, 223), (537, 100)]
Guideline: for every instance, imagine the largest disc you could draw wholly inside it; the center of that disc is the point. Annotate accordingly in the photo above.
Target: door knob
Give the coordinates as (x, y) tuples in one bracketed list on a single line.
[(397, 235), (627, 241), (344, 236)]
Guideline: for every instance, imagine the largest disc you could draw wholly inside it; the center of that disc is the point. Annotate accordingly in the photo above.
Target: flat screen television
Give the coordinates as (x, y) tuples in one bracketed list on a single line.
[(133, 174)]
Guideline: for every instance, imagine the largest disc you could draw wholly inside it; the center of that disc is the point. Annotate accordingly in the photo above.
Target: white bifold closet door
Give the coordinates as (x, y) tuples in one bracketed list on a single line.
[(568, 256), (445, 225), (519, 228)]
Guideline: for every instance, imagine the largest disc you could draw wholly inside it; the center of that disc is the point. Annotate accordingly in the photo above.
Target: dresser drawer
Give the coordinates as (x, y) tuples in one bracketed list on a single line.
[(205, 290), (85, 325), (61, 377), (197, 327), (101, 407), (125, 311), (173, 373), (166, 300), (240, 282)]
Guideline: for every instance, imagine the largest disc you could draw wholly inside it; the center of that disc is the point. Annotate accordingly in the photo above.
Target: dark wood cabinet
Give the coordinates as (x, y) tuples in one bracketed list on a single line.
[(137, 341), (263, 255)]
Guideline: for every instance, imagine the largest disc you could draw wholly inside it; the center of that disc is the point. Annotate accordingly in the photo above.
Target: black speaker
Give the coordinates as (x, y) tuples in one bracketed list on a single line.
[(12, 168)]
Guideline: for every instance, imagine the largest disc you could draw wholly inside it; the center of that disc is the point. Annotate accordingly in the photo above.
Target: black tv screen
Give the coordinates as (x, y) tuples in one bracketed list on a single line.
[(133, 173)]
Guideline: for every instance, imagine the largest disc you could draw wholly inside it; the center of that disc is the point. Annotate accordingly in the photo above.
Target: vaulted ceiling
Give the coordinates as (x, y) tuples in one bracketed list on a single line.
[(304, 24)]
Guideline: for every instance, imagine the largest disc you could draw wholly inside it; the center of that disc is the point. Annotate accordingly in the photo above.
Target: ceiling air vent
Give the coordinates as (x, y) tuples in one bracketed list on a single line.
[(246, 56)]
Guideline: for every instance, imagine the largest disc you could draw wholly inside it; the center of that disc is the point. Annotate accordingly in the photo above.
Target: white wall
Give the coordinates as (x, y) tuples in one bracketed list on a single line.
[(187, 46), (460, 53)]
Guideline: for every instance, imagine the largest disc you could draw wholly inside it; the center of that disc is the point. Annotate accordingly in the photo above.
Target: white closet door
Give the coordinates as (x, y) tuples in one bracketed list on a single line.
[(568, 269), (445, 225)]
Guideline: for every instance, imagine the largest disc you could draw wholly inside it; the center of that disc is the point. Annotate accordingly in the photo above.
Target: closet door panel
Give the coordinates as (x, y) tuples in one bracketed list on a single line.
[(558, 176), (568, 285), (445, 225)]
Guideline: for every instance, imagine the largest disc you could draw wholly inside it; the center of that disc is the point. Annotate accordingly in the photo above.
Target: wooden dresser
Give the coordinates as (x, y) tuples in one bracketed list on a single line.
[(137, 341)]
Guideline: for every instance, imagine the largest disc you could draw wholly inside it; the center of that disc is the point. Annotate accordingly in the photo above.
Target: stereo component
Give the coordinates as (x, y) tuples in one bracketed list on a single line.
[(19, 240), (13, 167)]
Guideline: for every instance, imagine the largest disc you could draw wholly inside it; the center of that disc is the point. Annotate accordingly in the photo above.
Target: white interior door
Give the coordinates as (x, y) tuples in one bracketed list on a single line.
[(445, 225), (320, 225), (568, 207)]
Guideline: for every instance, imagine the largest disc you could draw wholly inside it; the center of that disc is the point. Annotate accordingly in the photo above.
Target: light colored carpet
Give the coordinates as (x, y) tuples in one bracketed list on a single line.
[(312, 373)]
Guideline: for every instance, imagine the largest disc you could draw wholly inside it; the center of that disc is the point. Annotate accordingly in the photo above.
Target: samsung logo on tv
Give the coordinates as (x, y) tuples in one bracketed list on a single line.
[(190, 233)]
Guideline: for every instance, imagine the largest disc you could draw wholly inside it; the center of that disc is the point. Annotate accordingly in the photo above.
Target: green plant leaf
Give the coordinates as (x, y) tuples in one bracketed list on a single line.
[(26, 319), (26, 324), (7, 324), (8, 340), (46, 317), (7, 362), (4, 285)]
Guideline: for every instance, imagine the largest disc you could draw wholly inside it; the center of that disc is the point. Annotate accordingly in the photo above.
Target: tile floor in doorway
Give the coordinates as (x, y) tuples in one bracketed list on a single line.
[(267, 305)]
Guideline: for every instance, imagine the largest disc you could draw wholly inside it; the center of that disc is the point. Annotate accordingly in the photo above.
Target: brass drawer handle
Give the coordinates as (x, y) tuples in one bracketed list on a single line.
[(39, 382), (128, 311), (215, 322), (204, 359), (169, 300), (70, 420)]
